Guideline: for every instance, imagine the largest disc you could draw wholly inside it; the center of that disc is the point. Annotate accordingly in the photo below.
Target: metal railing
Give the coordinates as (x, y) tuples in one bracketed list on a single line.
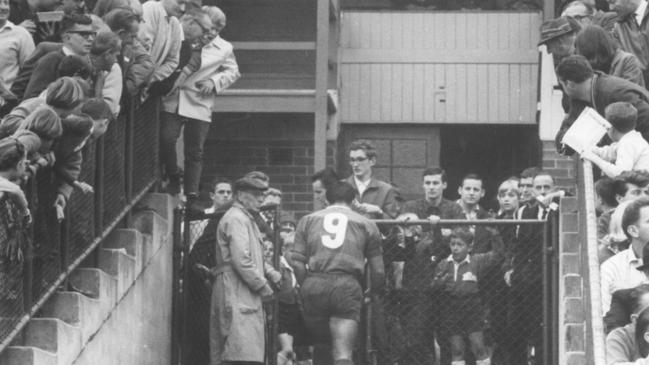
[(395, 305), (55, 248)]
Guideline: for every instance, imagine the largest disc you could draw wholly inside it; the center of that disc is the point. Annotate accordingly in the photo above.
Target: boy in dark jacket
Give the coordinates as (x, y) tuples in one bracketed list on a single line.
[(457, 281)]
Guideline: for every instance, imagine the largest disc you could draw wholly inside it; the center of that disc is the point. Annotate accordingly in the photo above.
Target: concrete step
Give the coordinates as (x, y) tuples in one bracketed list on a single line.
[(132, 241), (151, 223), (119, 264), (96, 284), (76, 310), (54, 336), (23, 355)]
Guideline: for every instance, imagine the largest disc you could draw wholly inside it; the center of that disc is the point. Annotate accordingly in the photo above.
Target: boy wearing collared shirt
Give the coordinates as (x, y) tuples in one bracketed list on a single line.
[(457, 279), (629, 150)]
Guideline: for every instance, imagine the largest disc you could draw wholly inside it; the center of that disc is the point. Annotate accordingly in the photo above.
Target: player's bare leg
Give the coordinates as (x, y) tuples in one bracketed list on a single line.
[(343, 338), (479, 348)]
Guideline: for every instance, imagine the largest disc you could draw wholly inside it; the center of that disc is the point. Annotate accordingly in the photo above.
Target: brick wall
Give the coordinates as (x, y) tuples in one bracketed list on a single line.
[(561, 167), (289, 164), (573, 303)]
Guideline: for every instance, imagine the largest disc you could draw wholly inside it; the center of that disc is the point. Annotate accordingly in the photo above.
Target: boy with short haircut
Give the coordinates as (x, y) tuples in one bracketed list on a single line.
[(629, 151), (462, 312)]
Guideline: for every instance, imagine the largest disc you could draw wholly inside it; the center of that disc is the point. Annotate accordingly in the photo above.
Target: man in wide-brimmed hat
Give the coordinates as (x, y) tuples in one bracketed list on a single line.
[(558, 36)]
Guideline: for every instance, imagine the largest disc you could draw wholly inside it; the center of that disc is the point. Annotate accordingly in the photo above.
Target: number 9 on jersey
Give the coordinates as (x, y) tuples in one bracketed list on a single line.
[(335, 224)]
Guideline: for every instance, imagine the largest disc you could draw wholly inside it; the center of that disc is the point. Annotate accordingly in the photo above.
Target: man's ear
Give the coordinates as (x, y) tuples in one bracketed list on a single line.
[(646, 336), (632, 230), (372, 161)]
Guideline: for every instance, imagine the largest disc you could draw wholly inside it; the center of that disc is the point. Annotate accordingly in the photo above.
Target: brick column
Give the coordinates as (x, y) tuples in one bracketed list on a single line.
[(561, 167)]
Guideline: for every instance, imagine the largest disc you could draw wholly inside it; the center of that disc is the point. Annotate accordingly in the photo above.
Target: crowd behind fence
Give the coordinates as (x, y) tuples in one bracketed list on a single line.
[(54, 248), (404, 323)]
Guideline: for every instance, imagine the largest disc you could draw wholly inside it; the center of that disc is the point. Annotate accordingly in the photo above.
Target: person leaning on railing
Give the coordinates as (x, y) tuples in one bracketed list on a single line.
[(14, 220)]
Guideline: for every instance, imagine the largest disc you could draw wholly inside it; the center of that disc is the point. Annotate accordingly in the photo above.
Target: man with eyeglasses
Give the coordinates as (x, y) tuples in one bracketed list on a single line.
[(190, 103), (78, 36), (374, 198)]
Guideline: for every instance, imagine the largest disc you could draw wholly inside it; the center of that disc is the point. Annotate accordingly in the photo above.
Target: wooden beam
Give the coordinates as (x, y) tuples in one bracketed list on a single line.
[(334, 7), (548, 9), (274, 46), (321, 77), (428, 56), (265, 101)]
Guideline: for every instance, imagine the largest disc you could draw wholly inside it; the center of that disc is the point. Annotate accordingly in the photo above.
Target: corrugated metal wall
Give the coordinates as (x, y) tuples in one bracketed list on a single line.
[(439, 67)]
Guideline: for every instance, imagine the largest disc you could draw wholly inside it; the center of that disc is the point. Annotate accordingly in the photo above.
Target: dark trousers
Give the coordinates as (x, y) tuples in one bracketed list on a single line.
[(194, 138), (524, 317)]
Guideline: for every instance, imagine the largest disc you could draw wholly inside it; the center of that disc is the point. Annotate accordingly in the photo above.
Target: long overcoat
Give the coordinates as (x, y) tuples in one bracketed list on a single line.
[(236, 315)]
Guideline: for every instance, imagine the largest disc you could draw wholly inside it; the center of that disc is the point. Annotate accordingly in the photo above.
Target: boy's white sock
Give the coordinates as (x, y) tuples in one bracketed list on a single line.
[(486, 361), (459, 362)]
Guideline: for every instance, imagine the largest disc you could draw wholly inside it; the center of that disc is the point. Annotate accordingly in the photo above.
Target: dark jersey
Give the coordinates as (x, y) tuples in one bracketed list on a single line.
[(336, 240)]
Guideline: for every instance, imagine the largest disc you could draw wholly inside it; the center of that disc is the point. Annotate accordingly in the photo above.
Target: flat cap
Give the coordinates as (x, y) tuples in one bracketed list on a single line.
[(254, 180), (555, 28)]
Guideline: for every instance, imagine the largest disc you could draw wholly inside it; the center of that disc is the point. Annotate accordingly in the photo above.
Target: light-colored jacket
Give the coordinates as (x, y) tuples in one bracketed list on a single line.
[(237, 315), (161, 35), (217, 64)]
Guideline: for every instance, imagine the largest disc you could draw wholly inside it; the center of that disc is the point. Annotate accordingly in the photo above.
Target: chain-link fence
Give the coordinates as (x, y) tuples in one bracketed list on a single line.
[(436, 307), (51, 247)]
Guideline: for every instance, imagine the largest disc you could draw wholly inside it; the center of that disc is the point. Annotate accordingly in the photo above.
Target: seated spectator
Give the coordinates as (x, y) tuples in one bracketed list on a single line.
[(461, 310), (621, 345), (134, 60), (622, 304), (64, 96), (614, 241), (604, 55), (14, 219), (619, 272), (629, 150), (16, 45), (588, 89), (77, 36), (108, 81)]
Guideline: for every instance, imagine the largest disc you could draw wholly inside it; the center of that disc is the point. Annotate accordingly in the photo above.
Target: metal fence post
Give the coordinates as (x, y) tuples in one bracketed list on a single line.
[(28, 266), (99, 193), (546, 335), (128, 156), (176, 313)]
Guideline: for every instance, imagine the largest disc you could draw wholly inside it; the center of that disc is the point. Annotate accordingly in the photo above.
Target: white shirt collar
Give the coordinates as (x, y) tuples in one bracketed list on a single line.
[(630, 256), (361, 186), (639, 12), (8, 25), (467, 259)]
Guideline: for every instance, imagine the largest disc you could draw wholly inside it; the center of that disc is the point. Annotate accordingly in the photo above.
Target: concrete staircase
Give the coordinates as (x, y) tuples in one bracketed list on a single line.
[(70, 319)]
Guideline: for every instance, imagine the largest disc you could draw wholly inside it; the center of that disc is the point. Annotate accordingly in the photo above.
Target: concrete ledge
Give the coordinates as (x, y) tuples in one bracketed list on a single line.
[(55, 336), (119, 264), (96, 284), (131, 240), (151, 223), (162, 204), (20, 355), (77, 310)]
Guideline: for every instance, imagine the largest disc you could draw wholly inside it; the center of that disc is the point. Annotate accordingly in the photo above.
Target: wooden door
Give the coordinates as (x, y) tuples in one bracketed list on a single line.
[(403, 153)]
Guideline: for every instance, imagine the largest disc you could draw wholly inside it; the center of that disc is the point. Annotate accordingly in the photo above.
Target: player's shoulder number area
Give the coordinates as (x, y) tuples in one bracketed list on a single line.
[(335, 225)]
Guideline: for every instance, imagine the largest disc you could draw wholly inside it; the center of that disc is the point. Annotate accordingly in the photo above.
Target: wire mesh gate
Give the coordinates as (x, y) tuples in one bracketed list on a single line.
[(429, 310)]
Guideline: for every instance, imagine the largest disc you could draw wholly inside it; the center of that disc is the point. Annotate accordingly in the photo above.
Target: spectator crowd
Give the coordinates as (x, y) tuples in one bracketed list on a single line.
[(469, 294)]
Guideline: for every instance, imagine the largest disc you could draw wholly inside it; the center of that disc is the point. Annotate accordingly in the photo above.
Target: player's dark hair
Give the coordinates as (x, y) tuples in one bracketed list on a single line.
[(430, 171), (472, 176), (219, 180), (341, 192), (70, 20), (632, 214), (327, 177), (636, 295)]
